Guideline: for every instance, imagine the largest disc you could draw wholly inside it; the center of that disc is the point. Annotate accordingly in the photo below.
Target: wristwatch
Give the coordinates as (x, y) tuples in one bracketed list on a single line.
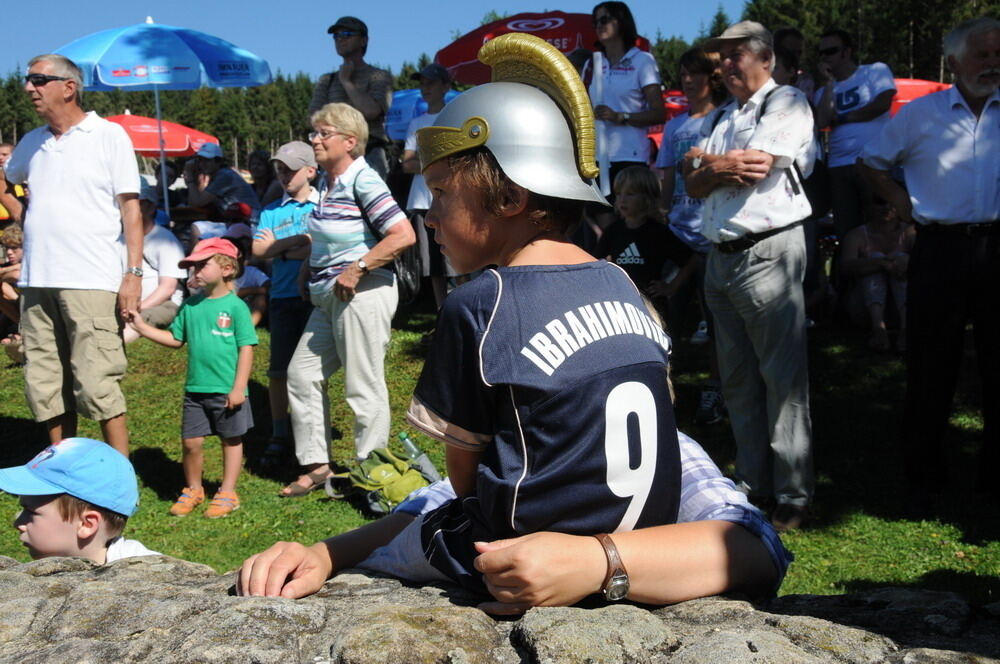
[(696, 163), (625, 117), (136, 271), (616, 584), (363, 266)]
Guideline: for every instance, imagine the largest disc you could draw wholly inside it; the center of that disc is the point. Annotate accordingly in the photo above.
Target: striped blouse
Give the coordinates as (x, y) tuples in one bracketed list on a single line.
[(339, 233)]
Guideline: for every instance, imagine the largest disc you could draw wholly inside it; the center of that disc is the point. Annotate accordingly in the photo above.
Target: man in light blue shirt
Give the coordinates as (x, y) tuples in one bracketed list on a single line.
[(947, 145), (282, 236)]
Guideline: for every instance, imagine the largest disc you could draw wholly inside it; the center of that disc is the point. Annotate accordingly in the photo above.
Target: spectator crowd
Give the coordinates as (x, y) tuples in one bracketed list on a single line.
[(724, 229)]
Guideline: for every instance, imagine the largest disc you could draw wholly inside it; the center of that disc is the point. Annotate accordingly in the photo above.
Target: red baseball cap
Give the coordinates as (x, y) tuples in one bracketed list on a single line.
[(207, 249)]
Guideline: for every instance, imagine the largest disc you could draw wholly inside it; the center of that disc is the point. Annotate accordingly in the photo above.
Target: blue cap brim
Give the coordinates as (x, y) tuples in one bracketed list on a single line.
[(20, 481)]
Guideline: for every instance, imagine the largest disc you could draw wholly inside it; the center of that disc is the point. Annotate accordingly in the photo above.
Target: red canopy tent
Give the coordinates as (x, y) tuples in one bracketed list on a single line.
[(908, 89), (567, 32), (178, 140)]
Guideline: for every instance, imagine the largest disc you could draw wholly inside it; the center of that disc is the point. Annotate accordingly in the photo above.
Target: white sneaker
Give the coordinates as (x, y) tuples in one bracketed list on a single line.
[(700, 335)]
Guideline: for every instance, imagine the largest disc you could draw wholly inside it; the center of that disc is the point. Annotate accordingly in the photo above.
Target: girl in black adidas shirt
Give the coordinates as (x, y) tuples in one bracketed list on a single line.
[(641, 244)]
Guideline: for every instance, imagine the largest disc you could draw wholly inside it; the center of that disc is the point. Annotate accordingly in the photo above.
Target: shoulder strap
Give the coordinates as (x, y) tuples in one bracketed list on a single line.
[(797, 172), (364, 213)]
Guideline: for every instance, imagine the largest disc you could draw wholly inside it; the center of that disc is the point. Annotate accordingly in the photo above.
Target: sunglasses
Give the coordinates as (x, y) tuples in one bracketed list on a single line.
[(344, 34), (603, 19), (38, 80), (832, 50)]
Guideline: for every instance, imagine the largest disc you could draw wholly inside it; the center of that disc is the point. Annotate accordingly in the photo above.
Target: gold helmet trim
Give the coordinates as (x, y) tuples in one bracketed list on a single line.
[(521, 58), (439, 142)]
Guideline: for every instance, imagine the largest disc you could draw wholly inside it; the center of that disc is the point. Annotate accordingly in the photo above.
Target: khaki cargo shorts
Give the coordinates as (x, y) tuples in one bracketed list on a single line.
[(74, 354)]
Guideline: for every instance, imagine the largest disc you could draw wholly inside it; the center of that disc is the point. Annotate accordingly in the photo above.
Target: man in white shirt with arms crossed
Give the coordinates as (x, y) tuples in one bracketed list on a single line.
[(84, 184), (754, 207)]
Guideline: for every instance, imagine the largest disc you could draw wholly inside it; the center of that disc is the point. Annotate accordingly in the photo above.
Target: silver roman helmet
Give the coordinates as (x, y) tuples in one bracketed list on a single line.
[(535, 118)]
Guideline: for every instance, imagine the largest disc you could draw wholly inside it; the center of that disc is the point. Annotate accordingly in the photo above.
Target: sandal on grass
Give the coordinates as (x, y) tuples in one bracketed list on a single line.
[(316, 481)]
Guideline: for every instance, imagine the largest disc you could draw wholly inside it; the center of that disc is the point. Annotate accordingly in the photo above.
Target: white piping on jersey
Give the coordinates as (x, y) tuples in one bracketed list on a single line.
[(524, 458), (482, 342)]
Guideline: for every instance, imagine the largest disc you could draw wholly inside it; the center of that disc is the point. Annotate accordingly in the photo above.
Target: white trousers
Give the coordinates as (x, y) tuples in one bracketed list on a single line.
[(353, 335)]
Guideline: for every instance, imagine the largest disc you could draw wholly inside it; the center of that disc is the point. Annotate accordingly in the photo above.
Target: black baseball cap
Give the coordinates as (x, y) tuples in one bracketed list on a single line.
[(433, 71), (349, 23)]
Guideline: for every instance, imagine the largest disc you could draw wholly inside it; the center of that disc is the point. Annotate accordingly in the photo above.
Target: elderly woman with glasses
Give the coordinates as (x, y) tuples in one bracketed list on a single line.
[(357, 229)]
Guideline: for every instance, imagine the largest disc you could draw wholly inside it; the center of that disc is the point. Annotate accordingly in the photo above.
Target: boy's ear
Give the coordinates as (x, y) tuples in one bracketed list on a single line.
[(90, 524), (515, 201)]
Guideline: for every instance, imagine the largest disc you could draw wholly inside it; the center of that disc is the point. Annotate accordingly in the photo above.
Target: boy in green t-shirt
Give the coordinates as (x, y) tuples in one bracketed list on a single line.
[(220, 335)]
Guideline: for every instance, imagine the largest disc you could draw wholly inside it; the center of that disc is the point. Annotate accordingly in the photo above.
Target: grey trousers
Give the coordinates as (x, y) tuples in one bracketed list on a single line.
[(760, 336)]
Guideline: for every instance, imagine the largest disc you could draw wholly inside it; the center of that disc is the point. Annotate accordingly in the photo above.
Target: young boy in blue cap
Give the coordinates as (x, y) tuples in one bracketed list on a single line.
[(76, 496)]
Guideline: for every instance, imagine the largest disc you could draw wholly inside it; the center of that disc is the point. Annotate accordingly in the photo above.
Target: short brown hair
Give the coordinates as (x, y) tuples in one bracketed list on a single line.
[(228, 261), (12, 236), (478, 169), (642, 181), (71, 507)]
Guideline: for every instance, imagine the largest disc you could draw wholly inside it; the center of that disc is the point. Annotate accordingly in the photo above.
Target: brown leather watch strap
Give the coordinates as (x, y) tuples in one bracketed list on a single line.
[(615, 564)]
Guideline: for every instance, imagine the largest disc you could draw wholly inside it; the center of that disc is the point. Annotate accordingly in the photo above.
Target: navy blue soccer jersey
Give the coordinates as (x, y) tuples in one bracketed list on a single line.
[(557, 375)]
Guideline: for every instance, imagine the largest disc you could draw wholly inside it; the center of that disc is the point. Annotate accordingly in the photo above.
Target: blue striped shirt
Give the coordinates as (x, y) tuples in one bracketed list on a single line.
[(339, 233)]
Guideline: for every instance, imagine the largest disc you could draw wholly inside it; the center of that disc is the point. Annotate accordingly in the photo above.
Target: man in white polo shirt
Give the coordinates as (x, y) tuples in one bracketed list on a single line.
[(745, 168), (947, 144), (83, 182)]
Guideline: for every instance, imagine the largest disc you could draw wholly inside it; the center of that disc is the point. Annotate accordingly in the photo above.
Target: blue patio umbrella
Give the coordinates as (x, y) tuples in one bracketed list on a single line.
[(152, 56)]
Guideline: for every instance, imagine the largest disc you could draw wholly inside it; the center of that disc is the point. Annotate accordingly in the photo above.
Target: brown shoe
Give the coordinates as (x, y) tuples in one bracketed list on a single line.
[(190, 499), (788, 517)]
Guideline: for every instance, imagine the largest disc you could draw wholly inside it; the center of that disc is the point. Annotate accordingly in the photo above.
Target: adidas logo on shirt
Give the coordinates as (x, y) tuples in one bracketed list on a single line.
[(630, 256)]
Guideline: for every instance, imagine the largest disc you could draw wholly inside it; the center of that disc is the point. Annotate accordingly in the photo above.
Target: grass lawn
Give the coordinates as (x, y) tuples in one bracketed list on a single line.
[(858, 537)]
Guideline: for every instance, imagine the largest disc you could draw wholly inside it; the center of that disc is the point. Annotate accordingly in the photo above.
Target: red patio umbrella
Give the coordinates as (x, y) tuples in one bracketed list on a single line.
[(567, 32), (908, 89), (178, 140)]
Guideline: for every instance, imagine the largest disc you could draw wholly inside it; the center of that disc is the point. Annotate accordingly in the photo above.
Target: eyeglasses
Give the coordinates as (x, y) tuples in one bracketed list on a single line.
[(344, 34), (38, 80), (325, 134), (603, 19), (832, 50)]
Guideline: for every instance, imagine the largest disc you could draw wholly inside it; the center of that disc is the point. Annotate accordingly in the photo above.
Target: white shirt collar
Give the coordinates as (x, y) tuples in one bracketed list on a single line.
[(313, 197)]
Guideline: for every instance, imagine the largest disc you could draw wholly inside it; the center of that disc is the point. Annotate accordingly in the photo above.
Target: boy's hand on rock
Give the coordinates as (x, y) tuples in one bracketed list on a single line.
[(286, 569)]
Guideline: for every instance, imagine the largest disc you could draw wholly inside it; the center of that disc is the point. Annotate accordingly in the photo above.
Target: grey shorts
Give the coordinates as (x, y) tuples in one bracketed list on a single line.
[(206, 414)]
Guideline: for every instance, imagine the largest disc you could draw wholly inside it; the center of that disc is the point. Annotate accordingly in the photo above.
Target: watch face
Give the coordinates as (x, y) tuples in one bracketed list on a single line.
[(617, 588)]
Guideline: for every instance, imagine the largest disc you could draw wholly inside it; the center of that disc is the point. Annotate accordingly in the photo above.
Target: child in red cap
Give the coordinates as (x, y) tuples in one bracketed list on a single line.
[(220, 335)]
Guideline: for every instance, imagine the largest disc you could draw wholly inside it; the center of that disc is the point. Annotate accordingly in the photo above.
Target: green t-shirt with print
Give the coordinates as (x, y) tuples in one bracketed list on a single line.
[(214, 329)]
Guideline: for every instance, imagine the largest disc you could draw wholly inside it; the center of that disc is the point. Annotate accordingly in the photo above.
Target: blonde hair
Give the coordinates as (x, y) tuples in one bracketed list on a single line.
[(642, 181), (347, 120), (227, 261), (12, 236), (71, 507)]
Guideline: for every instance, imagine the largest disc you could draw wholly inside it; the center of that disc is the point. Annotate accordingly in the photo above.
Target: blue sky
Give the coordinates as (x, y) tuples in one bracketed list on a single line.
[(291, 34)]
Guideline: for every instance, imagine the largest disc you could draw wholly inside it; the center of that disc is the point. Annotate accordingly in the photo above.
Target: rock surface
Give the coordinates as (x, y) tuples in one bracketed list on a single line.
[(159, 609)]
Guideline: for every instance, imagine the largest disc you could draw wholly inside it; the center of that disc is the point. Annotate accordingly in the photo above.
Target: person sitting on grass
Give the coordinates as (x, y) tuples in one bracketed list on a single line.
[(877, 253), (547, 382), (220, 336), (76, 496), (12, 240), (161, 276)]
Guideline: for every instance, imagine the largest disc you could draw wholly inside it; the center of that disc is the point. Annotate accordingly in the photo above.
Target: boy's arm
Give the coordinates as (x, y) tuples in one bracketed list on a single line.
[(266, 246), (244, 363), (462, 465), (162, 337), (292, 570)]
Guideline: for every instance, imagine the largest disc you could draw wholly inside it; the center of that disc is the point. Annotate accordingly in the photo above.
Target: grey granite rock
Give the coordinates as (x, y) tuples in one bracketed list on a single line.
[(162, 610)]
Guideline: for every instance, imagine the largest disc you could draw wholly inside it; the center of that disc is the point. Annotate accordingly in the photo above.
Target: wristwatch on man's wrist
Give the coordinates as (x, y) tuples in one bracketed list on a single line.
[(135, 271), (363, 266), (625, 117), (616, 585)]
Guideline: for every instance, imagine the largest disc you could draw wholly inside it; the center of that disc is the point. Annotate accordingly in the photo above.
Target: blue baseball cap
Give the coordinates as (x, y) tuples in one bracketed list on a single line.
[(84, 468)]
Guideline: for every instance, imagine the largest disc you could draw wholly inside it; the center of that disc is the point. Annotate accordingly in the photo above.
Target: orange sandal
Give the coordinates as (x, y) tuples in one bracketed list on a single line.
[(190, 499), (223, 503)]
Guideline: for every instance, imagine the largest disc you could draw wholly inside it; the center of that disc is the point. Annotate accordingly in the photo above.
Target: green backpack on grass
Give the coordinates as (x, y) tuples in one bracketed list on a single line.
[(383, 479)]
